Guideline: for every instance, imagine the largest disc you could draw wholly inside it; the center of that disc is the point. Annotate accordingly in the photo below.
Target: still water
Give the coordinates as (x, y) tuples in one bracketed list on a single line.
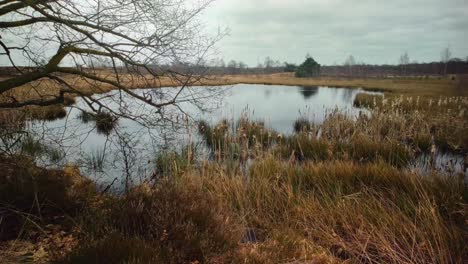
[(130, 150), (133, 146)]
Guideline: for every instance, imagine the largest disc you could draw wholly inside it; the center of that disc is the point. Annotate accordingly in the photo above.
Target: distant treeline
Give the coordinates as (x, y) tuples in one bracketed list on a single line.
[(412, 69), (359, 70), (356, 70)]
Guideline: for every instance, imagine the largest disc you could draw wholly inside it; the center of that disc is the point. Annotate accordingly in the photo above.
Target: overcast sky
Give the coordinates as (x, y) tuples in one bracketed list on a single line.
[(372, 31)]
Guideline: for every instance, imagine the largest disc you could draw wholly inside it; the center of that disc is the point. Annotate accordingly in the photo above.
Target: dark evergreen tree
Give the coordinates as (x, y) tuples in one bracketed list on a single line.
[(309, 68)]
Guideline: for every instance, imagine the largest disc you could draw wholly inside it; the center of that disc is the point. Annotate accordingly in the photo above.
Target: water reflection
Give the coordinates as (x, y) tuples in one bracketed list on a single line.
[(443, 163), (127, 154), (279, 106), (130, 150), (308, 91)]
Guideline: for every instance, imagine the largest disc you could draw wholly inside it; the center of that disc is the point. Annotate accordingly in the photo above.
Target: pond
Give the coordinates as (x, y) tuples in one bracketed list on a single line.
[(129, 151), (102, 156)]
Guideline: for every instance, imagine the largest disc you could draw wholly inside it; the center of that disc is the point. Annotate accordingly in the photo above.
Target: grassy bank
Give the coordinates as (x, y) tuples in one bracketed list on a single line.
[(456, 86), (330, 211), (330, 193)]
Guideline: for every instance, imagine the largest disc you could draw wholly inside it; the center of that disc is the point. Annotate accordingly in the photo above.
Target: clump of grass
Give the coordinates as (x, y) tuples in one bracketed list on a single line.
[(423, 142), (55, 154), (302, 125), (86, 117), (215, 137), (172, 163), (69, 100), (48, 113), (229, 141), (96, 159), (304, 147), (363, 149), (104, 121), (12, 120), (35, 148), (32, 147), (254, 133), (367, 100), (405, 118)]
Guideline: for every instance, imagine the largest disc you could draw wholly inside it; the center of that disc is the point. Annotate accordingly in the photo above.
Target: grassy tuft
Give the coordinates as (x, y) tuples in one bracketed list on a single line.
[(170, 163), (105, 122), (302, 125), (304, 147)]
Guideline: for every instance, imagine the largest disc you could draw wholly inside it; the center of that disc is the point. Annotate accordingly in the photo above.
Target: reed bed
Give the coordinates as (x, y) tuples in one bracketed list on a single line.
[(421, 121)]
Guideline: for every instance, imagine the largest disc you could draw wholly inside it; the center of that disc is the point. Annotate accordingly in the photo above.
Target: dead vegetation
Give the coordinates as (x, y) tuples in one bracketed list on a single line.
[(330, 211), (340, 191)]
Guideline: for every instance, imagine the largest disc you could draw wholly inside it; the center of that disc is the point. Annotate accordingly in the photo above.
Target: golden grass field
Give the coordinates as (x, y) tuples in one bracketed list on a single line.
[(450, 86)]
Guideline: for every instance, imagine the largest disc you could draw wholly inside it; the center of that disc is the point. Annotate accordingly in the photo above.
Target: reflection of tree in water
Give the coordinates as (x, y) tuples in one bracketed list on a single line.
[(308, 91), (267, 93)]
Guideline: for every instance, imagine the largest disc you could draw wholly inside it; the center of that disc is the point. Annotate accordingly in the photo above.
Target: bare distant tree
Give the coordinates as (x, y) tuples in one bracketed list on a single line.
[(232, 67), (269, 63), (242, 66), (222, 64), (445, 57), (404, 61), (350, 62), (61, 40)]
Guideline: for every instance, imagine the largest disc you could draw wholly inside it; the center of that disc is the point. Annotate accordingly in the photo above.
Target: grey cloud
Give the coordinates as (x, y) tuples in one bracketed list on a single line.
[(373, 31)]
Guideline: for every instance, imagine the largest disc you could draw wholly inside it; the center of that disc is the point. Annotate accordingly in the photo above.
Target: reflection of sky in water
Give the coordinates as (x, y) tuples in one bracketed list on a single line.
[(278, 106)]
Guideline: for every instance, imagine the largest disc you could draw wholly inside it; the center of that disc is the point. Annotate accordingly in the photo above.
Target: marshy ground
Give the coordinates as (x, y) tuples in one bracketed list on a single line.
[(340, 191)]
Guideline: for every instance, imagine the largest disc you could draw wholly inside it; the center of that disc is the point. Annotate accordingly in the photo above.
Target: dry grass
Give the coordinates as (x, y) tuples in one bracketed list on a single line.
[(177, 221), (422, 121), (347, 211), (413, 86), (328, 211), (410, 86), (30, 195), (331, 193)]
